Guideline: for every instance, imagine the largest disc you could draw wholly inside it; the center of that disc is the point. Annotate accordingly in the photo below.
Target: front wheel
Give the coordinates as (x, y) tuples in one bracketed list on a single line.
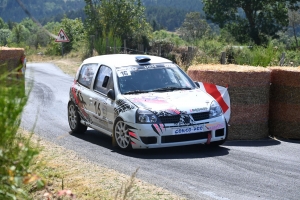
[(121, 136), (74, 119)]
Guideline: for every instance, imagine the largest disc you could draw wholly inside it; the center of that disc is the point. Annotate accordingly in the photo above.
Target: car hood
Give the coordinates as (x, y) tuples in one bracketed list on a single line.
[(174, 103)]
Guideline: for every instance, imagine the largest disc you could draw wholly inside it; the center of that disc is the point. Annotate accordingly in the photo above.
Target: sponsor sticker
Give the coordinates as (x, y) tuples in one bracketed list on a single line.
[(199, 109), (123, 73), (214, 126), (188, 130)]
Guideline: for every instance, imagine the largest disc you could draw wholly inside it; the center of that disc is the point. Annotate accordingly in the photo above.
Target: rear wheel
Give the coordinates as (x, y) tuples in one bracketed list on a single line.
[(121, 136), (74, 119)]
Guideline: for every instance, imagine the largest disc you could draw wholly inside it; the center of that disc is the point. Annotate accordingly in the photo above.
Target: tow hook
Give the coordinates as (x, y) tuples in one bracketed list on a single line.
[(208, 138)]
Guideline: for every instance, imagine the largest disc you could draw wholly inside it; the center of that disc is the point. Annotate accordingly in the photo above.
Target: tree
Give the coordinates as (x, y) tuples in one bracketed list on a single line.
[(74, 30), (3, 24), (193, 27), (294, 23), (19, 34), (259, 18), (92, 21), (125, 18), (4, 35)]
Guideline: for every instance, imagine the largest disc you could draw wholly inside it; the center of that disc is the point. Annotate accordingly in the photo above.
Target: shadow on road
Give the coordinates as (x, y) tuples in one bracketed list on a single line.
[(296, 141), (253, 143), (95, 137), (181, 152)]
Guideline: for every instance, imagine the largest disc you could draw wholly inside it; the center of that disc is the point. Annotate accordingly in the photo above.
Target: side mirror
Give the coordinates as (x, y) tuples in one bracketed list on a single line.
[(198, 85), (111, 94)]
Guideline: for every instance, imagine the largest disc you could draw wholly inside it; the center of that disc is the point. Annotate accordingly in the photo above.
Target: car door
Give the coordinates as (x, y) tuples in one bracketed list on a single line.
[(102, 104), (84, 92)]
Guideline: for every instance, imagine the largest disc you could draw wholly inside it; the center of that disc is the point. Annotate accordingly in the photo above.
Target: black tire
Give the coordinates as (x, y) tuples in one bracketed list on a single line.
[(121, 137), (218, 143), (74, 119)]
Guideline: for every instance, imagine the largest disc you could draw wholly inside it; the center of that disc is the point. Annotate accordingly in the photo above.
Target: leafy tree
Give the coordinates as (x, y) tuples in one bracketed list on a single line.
[(92, 21), (261, 18), (126, 19), (19, 34), (193, 27), (294, 23), (29, 24), (74, 30), (37, 36), (3, 24), (4, 35)]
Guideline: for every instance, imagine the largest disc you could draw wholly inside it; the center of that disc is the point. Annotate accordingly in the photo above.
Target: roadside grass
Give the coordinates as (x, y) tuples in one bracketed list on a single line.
[(64, 172)]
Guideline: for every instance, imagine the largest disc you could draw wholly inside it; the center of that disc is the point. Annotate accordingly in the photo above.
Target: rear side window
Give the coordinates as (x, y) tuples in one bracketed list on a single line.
[(104, 80), (86, 74)]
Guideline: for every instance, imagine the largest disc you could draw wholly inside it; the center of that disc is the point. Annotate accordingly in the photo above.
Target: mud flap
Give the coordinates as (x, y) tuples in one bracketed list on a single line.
[(208, 138), (113, 141)]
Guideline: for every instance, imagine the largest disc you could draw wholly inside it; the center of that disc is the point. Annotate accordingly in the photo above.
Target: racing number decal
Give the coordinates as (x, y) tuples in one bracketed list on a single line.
[(97, 108), (124, 73)]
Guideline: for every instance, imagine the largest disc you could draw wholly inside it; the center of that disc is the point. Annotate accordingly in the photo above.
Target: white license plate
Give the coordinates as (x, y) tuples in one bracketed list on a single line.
[(189, 129)]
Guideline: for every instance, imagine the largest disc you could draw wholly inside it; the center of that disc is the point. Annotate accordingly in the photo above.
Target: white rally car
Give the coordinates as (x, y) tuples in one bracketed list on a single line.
[(143, 101)]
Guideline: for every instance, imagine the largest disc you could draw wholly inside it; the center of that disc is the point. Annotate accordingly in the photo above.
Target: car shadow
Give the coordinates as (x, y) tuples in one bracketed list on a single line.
[(94, 137), (253, 143), (295, 141), (180, 152)]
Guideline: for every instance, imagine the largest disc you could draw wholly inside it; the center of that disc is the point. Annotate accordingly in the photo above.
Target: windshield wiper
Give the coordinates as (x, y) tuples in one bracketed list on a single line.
[(171, 88), (136, 92)]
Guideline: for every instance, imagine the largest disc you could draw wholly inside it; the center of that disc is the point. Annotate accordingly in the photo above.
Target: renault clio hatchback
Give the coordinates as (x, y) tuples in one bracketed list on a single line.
[(143, 101)]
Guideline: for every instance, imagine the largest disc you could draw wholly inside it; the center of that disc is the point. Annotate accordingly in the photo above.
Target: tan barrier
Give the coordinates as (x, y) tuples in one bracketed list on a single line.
[(285, 102), (249, 89), (11, 63)]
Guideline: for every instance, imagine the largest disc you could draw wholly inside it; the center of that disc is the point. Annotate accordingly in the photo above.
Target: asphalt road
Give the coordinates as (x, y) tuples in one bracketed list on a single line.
[(265, 169)]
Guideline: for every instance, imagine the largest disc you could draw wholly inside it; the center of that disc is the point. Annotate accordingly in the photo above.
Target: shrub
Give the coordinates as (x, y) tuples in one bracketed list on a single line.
[(16, 153)]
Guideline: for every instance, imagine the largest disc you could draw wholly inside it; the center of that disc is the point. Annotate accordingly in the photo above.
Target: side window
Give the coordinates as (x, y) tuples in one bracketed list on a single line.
[(86, 74), (104, 80)]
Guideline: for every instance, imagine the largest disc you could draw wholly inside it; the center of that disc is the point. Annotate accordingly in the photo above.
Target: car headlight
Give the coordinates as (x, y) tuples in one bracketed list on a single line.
[(145, 117), (215, 110)]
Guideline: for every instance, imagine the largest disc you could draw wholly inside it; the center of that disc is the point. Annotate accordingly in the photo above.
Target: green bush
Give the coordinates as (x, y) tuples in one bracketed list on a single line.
[(100, 44), (254, 56), (209, 51), (16, 152)]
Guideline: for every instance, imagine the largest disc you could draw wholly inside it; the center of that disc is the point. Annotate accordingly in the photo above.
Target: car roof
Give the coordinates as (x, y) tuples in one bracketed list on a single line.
[(119, 60)]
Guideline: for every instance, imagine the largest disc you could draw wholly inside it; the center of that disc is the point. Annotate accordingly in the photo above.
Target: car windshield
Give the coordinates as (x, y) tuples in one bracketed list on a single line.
[(152, 78)]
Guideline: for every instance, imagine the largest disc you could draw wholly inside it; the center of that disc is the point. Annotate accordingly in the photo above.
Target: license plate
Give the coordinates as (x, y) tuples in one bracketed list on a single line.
[(188, 130)]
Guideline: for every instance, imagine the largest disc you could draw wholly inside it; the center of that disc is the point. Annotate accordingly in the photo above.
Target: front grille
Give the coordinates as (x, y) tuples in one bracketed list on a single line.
[(200, 116), (170, 119), (219, 132), (184, 137), (149, 140)]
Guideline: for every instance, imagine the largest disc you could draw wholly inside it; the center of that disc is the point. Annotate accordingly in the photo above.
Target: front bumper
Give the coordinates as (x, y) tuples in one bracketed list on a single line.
[(168, 135)]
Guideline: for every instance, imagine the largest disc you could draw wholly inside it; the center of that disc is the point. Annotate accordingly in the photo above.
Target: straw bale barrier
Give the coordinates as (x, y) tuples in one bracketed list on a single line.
[(285, 102), (249, 89), (10, 58)]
